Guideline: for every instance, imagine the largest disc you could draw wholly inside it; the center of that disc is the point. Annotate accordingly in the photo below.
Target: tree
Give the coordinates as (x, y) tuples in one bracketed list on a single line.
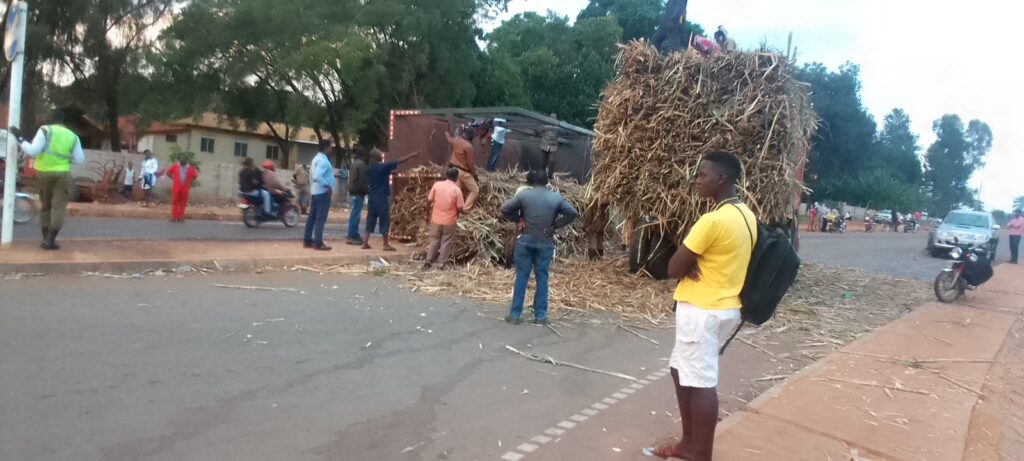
[(301, 62), (557, 68), (844, 142), (1018, 202), (637, 18), (97, 44), (897, 148), (952, 159)]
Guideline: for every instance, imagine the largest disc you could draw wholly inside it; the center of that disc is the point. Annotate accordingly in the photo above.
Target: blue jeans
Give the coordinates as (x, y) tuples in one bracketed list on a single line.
[(355, 215), (378, 211), (264, 197), (492, 161), (320, 206), (532, 255)]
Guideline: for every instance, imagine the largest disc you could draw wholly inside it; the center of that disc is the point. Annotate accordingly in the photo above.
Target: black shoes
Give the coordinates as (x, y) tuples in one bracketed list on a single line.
[(513, 320)]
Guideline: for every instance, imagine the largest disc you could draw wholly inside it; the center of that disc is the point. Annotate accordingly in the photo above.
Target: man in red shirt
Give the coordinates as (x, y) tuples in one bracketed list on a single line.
[(447, 201), (182, 174)]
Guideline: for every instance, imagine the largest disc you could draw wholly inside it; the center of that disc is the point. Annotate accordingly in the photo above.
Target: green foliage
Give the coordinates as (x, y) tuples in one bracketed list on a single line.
[(897, 148), (637, 18), (877, 189), (99, 45), (952, 159), (549, 66), (1001, 217)]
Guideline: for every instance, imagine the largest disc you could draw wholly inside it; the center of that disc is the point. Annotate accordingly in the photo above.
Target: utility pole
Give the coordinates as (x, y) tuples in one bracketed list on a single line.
[(14, 49)]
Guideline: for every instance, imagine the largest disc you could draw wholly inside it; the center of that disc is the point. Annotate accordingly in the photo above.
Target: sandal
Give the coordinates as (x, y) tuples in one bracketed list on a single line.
[(389, 248), (668, 450)]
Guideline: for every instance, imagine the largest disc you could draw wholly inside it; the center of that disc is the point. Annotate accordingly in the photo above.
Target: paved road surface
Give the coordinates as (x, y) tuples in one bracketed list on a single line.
[(164, 368), (112, 228), (896, 254)]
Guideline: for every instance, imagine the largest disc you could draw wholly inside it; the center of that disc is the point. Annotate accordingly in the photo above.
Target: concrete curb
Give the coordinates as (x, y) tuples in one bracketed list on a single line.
[(227, 214)]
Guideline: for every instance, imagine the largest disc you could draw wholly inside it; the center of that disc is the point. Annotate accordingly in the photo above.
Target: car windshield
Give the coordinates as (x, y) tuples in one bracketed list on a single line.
[(964, 219)]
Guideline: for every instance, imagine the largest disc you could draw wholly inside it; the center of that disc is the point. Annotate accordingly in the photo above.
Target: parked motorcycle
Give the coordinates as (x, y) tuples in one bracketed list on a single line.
[(971, 269), (869, 225), (910, 226), (283, 209), (25, 209)]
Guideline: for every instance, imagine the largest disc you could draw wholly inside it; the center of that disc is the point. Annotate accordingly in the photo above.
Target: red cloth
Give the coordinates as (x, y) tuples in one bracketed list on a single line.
[(179, 191), (704, 45)]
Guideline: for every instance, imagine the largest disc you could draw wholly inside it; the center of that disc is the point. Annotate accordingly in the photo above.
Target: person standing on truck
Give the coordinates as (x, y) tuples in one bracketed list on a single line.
[(464, 158), (549, 145), (711, 266), (55, 148)]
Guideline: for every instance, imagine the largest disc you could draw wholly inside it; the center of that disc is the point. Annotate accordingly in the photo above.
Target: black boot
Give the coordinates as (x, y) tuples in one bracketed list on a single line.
[(46, 236), (51, 241)]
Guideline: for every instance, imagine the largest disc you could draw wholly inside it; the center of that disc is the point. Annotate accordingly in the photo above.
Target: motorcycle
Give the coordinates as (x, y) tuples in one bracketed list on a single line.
[(971, 269), (910, 226), (25, 209), (282, 209), (869, 225), (836, 224)]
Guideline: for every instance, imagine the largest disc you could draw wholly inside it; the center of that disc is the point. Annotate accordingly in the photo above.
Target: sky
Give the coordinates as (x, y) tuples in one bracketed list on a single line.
[(929, 57)]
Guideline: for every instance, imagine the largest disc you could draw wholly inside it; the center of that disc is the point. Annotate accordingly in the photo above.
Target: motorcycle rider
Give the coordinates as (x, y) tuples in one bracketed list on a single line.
[(272, 184), (250, 184)]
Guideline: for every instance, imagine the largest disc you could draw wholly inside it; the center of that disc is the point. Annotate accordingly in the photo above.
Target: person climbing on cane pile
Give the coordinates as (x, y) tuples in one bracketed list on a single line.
[(464, 159)]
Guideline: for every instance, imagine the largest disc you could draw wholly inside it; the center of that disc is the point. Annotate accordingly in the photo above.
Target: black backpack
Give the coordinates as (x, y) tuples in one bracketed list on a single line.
[(772, 270)]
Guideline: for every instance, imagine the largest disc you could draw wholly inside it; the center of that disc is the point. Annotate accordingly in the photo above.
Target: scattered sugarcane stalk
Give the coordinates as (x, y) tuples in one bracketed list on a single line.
[(548, 359)]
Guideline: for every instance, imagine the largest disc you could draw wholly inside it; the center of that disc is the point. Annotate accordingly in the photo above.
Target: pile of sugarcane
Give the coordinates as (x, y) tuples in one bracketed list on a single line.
[(482, 236), (662, 113)]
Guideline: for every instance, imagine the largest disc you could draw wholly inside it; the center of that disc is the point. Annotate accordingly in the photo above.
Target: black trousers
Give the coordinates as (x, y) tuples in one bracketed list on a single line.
[(1014, 247)]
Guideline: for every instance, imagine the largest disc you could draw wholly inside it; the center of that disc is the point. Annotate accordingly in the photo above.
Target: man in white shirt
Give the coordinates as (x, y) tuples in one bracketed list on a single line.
[(150, 166), (497, 143), (129, 181)]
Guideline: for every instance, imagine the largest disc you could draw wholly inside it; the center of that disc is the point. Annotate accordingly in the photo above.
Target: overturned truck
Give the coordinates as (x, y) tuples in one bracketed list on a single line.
[(662, 113)]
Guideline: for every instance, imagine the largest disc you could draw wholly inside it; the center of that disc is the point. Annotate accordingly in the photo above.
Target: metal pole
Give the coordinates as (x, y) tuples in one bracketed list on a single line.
[(13, 117)]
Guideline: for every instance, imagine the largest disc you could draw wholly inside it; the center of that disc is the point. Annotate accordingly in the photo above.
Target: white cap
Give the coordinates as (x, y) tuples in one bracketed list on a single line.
[(500, 120)]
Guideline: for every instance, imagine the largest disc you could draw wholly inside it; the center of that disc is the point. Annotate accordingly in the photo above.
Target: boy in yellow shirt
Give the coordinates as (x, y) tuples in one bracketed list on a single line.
[(712, 265)]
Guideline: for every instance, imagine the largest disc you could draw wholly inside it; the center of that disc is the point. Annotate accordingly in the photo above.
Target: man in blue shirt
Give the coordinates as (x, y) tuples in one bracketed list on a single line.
[(322, 179), (378, 175)]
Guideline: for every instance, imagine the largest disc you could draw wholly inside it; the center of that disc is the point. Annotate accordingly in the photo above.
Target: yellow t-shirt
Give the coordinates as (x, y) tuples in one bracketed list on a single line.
[(722, 241)]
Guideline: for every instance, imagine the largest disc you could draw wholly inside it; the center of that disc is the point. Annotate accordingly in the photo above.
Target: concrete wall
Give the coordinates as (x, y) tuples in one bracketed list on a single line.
[(218, 182), (223, 146)]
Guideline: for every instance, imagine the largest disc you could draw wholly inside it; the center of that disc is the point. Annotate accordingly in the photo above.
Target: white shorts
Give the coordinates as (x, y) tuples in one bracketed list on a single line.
[(699, 335)]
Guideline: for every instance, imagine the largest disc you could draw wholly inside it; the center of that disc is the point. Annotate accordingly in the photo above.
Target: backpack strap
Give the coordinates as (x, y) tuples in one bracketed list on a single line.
[(740, 326)]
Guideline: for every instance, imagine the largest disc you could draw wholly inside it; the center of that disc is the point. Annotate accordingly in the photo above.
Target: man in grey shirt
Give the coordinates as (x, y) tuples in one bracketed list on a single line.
[(543, 212)]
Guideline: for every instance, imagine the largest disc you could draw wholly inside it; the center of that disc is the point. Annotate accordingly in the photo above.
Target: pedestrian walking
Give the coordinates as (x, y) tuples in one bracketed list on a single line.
[(181, 174), (322, 177), (300, 179), (55, 148), (150, 169), (548, 147), (378, 179), (446, 202), (543, 212), (128, 183), (464, 158), (812, 217), (1016, 229), (711, 266), (497, 143), (358, 187)]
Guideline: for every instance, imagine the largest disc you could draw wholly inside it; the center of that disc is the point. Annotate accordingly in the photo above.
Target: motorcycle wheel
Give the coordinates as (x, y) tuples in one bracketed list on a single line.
[(947, 286), (290, 218), (249, 217), (24, 210)]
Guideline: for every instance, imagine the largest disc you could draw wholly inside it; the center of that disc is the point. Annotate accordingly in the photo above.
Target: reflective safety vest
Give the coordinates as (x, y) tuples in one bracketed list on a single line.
[(56, 158)]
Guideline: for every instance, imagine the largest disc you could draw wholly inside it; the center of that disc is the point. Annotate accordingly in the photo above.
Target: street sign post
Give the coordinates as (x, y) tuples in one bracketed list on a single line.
[(14, 49)]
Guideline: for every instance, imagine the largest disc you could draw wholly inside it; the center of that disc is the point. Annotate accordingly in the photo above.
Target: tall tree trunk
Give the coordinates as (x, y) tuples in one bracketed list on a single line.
[(112, 102)]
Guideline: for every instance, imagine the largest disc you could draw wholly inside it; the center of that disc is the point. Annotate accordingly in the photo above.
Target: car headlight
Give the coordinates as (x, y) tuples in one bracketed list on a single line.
[(956, 252), (973, 257)]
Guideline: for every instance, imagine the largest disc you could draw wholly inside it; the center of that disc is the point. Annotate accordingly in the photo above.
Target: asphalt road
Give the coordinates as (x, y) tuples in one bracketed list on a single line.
[(348, 368), (111, 228)]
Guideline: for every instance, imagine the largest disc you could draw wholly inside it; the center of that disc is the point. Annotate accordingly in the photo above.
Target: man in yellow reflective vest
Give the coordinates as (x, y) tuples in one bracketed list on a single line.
[(55, 148)]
